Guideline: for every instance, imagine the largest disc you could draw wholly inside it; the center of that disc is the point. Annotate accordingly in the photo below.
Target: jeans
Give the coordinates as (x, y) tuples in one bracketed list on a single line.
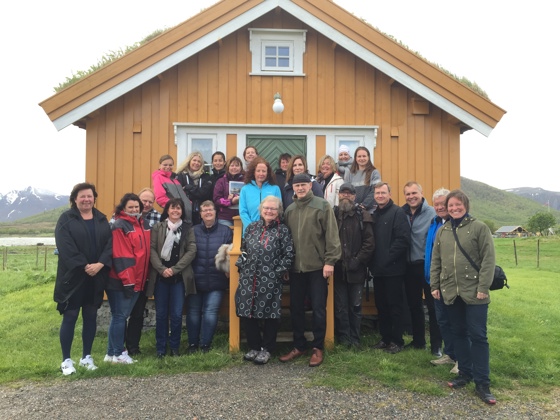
[(413, 285), (121, 306), (445, 328), (389, 301), (227, 223), (347, 311), (169, 300), (202, 317), (468, 323), (136, 323), (315, 286)]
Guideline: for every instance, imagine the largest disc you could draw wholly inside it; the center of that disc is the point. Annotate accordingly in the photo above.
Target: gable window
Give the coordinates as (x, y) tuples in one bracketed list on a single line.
[(277, 52)]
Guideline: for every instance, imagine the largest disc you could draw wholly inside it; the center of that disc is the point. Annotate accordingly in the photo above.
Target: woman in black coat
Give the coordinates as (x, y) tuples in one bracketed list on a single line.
[(84, 241), (268, 255)]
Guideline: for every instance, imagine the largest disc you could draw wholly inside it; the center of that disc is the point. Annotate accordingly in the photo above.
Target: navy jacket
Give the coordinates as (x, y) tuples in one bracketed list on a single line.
[(206, 276)]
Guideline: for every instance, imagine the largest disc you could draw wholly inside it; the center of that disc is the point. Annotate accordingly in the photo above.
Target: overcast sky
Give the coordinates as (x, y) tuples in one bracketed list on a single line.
[(509, 48)]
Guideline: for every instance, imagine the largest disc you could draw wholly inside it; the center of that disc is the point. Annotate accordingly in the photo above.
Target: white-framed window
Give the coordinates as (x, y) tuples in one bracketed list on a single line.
[(203, 143), (277, 52), (353, 142)]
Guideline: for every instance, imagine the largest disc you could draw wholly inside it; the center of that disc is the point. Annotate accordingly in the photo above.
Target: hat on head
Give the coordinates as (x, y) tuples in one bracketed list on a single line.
[(347, 187), (301, 178), (343, 148)]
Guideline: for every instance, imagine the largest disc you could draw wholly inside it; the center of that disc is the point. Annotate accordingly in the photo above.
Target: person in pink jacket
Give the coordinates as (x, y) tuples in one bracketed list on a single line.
[(164, 174)]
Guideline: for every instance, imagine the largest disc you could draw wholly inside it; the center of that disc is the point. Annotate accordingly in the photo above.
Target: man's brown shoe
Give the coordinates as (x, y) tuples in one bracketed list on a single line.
[(316, 358), (293, 354)]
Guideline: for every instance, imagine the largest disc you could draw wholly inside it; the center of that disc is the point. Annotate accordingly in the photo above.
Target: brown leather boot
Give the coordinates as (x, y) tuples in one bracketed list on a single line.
[(293, 354), (316, 358)]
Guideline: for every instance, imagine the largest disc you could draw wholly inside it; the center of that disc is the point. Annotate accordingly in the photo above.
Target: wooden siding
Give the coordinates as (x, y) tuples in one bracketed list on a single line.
[(126, 138)]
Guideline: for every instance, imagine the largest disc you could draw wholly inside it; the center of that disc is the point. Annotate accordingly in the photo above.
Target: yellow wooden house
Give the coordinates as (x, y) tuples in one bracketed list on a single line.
[(209, 84)]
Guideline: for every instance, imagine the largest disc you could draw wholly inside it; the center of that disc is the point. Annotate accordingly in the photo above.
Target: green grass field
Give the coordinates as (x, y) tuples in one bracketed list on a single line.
[(522, 329)]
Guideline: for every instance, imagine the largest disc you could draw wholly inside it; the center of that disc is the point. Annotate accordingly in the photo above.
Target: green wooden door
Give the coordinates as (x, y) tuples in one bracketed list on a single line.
[(271, 147)]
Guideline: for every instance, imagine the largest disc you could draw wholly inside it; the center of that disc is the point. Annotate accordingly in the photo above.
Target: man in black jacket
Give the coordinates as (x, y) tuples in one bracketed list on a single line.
[(355, 228), (392, 239)]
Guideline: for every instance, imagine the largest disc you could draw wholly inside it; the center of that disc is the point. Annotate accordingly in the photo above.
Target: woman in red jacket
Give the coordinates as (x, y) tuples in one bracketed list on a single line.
[(131, 257)]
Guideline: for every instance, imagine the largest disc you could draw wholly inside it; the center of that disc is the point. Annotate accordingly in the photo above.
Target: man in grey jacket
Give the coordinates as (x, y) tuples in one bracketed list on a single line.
[(419, 215)]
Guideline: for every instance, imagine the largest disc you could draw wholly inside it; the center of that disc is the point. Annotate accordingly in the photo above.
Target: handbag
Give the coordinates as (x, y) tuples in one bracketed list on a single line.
[(499, 280)]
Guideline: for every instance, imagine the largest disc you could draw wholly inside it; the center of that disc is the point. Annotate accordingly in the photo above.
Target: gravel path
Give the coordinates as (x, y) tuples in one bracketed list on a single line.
[(273, 391)]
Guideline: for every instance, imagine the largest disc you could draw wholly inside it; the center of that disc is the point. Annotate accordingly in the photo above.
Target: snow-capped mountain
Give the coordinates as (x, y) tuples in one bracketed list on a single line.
[(546, 198), (16, 205)]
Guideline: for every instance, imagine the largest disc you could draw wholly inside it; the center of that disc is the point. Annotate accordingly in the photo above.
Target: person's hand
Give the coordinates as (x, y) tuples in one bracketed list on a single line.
[(168, 272), (481, 295), (436, 294), (328, 270), (93, 269)]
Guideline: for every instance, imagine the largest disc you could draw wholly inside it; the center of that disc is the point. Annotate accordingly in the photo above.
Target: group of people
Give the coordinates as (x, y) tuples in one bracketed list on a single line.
[(297, 229)]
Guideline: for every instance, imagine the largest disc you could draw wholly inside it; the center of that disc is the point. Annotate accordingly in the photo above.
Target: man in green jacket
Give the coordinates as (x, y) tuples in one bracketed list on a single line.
[(317, 247)]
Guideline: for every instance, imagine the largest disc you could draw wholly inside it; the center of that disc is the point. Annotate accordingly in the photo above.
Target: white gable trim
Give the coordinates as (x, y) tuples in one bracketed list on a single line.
[(246, 18)]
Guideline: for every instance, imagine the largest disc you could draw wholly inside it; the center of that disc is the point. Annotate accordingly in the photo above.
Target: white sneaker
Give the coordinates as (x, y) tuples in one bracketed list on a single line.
[(87, 362), (67, 367), (110, 359), (445, 359), (124, 358), (455, 369)]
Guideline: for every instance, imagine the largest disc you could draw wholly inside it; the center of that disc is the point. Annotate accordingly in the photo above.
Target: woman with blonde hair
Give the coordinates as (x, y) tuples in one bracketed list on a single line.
[(329, 179), (197, 184)]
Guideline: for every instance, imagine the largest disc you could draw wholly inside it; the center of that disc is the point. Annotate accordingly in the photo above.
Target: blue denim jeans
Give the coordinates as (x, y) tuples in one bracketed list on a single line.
[(202, 317), (468, 323), (121, 306), (445, 328), (169, 300)]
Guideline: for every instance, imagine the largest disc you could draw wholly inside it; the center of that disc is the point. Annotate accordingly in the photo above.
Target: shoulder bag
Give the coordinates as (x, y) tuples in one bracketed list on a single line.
[(500, 279)]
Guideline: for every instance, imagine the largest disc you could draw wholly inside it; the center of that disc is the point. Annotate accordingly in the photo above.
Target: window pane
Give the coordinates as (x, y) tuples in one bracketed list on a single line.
[(203, 146), (270, 51), (270, 62), (283, 51), (283, 62)]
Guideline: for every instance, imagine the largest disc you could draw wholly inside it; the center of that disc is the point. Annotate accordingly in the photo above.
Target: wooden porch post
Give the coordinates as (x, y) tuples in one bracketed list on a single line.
[(234, 330)]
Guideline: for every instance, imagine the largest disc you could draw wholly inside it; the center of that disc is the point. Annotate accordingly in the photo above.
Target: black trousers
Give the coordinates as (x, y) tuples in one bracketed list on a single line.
[(414, 286), (389, 301), (261, 333), (315, 286)]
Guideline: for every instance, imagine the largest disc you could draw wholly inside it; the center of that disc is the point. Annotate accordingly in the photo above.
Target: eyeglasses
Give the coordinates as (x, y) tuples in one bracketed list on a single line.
[(207, 210), (270, 208)]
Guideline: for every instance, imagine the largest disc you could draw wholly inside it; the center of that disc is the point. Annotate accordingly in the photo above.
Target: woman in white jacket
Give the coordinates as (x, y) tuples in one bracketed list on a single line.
[(330, 180)]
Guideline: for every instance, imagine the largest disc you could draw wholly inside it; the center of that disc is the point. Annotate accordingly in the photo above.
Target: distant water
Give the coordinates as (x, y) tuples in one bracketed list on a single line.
[(26, 241)]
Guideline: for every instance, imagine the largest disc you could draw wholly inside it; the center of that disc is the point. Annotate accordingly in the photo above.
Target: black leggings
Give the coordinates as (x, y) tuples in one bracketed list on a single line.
[(69, 318)]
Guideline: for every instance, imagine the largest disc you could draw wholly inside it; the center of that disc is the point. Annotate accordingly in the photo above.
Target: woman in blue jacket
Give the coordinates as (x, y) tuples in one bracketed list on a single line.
[(203, 307), (259, 183)]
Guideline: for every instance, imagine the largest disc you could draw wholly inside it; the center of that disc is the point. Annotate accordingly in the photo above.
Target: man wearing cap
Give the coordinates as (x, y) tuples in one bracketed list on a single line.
[(355, 229), (317, 247), (344, 159), (392, 239)]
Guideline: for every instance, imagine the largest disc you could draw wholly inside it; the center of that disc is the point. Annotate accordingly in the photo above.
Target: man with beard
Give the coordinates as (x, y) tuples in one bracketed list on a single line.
[(355, 229)]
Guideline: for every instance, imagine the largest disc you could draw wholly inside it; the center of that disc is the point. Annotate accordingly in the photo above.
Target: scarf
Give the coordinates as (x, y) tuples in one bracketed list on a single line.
[(170, 238)]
